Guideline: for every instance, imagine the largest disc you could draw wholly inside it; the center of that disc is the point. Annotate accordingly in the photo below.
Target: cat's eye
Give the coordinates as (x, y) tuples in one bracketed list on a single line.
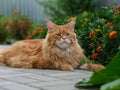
[(67, 34), (58, 34)]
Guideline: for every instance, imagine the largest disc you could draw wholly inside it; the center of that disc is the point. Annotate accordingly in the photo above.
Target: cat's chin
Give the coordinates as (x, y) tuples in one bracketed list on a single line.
[(63, 46)]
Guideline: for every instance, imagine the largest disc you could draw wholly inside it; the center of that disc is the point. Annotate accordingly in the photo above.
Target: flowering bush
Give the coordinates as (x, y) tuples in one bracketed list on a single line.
[(13, 28), (37, 32), (99, 34), (18, 28)]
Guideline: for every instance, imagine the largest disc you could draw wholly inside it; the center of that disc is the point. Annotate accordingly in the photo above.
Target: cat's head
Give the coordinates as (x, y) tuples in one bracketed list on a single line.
[(61, 36)]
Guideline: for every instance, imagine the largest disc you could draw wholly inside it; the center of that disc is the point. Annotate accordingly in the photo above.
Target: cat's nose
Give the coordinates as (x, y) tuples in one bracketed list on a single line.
[(63, 38)]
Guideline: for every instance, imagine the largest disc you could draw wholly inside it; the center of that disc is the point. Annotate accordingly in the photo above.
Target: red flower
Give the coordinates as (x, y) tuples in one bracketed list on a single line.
[(95, 56), (28, 37)]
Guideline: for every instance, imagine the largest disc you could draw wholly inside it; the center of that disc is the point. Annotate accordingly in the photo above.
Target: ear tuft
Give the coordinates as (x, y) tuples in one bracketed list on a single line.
[(71, 24), (50, 25)]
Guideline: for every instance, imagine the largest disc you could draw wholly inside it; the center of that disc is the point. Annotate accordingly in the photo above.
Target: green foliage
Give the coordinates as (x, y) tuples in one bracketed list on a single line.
[(3, 33), (114, 85), (63, 8), (110, 73), (96, 33)]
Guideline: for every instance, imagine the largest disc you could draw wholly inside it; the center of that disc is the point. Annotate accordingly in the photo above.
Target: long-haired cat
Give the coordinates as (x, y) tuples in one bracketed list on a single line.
[(59, 50)]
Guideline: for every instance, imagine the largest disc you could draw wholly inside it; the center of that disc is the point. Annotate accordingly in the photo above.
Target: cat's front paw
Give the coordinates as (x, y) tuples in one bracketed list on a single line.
[(66, 68)]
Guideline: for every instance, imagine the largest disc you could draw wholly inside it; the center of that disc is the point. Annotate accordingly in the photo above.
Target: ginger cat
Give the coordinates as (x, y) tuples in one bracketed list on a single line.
[(59, 50)]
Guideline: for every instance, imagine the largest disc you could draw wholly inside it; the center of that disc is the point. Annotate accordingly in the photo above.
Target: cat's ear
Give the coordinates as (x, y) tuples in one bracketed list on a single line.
[(50, 25), (71, 24)]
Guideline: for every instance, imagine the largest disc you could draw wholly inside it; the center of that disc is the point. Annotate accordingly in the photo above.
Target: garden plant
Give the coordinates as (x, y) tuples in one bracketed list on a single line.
[(15, 27)]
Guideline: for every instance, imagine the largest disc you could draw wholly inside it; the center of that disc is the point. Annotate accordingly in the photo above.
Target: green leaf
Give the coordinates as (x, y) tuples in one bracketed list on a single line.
[(85, 13), (86, 86), (110, 73), (115, 85)]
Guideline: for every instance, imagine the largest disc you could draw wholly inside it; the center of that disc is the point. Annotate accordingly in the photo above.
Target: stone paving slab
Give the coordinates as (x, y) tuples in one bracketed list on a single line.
[(13, 78), (39, 79)]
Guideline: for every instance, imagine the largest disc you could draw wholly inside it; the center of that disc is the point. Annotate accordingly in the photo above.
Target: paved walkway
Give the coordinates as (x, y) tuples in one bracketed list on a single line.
[(38, 79)]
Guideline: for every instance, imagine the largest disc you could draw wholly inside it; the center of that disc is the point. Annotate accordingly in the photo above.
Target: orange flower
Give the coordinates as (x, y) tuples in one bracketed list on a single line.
[(35, 33), (118, 7), (40, 29), (91, 34), (109, 24), (95, 56), (99, 48), (113, 34), (28, 37), (116, 13), (72, 19)]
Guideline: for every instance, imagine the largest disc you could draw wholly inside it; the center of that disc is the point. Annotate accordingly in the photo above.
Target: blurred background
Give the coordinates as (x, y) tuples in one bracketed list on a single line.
[(39, 10)]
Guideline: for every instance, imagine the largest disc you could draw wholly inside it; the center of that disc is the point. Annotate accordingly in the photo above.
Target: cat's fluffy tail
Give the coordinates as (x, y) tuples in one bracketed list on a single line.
[(2, 59)]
